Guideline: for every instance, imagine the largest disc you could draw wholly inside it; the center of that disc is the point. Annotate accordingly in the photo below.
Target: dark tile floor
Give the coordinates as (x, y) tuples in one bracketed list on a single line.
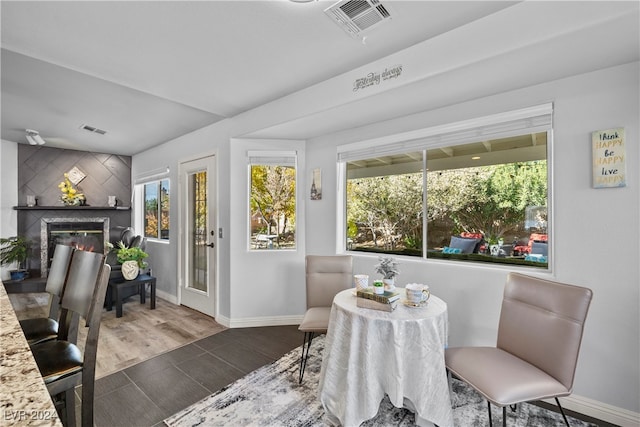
[(147, 393)]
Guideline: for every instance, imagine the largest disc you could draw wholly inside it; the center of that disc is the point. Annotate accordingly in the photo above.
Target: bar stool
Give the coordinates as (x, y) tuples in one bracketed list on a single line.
[(46, 328), (61, 363)]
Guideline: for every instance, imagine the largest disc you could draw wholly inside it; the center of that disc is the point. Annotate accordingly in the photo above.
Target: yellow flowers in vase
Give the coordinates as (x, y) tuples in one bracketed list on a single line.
[(70, 196)]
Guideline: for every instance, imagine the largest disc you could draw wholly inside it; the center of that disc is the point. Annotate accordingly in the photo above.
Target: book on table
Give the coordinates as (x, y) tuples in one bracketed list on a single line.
[(382, 306), (385, 298)]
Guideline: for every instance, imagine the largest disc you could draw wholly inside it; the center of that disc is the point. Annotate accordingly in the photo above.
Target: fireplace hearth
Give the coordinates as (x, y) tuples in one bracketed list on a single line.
[(88, 234)]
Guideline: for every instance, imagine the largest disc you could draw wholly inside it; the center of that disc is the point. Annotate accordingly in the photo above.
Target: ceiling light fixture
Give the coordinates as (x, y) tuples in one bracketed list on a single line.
[(34, 138)]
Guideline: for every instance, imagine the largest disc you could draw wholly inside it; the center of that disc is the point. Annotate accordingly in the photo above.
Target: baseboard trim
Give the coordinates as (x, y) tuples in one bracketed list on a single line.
[(250, 322), (599, 410), (167, 297), (223, 320)]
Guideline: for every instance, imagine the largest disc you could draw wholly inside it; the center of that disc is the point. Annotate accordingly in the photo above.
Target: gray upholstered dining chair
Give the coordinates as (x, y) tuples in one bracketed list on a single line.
[(62, 365), (41, 329), (326, 275), (539, 336)]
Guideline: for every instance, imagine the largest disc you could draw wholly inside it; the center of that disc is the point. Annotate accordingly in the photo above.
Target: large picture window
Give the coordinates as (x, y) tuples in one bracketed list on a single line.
[(156, 209), (272, 201), (385, 204), (476, 199)]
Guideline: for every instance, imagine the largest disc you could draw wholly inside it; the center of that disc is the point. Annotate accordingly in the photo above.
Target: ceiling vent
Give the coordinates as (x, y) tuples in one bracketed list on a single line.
[(358, 16), (93, 129)]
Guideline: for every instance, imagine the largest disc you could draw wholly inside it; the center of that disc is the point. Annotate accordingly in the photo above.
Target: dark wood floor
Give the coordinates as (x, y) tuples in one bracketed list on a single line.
[(148, 392)]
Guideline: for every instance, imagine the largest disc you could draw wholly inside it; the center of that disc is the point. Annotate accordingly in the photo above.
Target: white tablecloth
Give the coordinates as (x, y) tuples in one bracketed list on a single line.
[(370, 353)]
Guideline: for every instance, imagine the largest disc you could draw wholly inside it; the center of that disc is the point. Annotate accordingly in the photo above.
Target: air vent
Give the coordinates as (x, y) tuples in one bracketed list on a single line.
[(358, 16), (93, 129)]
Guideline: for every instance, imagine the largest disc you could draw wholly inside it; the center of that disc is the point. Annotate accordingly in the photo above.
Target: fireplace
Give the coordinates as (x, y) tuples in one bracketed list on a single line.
[(88, 234)]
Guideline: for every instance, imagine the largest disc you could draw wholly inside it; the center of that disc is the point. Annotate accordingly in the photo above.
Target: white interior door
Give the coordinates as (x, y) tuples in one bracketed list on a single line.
[(198, 241)]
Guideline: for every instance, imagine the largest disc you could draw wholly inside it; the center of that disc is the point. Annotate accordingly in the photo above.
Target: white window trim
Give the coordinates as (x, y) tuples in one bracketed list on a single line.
[(152, 175), (496, 126), (287, 158), (137, 195), (501, 125)]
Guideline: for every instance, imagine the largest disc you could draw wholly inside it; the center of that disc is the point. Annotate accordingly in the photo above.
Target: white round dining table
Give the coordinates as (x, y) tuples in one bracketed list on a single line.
[(369, 353)]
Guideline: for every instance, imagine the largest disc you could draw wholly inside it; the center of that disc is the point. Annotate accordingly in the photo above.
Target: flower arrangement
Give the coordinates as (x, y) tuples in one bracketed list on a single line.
[(388, 267), (70, 196), (136, 254)]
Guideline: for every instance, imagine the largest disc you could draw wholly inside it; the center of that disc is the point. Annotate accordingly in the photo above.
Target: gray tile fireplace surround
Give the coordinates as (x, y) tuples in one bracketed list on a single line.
[(41, 169), (32, 223)]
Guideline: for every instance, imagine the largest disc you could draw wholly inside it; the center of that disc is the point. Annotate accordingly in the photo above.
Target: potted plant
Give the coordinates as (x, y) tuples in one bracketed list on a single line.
[(388, 267), (378, 287), (14, 250), (132, 260)]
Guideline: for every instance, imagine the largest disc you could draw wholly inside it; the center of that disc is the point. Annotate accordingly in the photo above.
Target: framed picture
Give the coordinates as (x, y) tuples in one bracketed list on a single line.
[(316, 184), (76, 175), (609, 158)]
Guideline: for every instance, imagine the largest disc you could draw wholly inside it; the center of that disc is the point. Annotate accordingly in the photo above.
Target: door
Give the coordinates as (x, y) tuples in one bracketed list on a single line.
[(198, 239)]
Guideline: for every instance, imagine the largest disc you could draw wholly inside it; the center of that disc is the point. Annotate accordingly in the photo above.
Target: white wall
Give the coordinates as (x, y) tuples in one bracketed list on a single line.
[(164, 258), (265, 285), (9, 194), (252, 288), (596, 232)]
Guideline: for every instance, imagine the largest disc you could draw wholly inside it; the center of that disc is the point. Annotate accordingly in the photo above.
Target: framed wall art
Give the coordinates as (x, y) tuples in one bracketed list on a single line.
[(609, 163), (316, 184)]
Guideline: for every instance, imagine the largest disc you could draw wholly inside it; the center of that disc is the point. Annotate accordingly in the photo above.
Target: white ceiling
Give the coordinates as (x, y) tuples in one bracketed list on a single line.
[(147, 72)]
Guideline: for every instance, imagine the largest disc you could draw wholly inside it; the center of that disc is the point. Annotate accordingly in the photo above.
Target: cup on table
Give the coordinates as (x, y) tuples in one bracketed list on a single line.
[(417, 293), (361, 281)]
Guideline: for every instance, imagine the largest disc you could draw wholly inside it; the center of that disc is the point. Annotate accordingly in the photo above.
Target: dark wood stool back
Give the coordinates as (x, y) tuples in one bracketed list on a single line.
[(61, 363), (46, 328)]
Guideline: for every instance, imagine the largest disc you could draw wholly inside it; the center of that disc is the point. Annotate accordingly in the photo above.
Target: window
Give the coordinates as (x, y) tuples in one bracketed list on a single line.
[(156, 209), (477, 208), (384, 204), (476, 198), (272, 200)]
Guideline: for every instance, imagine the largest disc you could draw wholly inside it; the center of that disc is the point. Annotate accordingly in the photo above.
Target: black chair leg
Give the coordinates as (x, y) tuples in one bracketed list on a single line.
[(504, 416), (306, 345), (489, 408), (566, 421)]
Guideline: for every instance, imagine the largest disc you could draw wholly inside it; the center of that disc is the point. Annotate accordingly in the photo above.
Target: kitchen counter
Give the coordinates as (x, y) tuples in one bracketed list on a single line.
[(24, 399)]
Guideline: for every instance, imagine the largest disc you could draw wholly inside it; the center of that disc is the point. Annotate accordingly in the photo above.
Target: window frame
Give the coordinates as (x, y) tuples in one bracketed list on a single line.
[(140, 208), (282, 158), (530, 120)]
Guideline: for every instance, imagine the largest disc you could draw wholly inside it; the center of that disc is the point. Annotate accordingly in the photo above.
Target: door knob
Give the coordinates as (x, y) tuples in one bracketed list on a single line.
[(211, 245)]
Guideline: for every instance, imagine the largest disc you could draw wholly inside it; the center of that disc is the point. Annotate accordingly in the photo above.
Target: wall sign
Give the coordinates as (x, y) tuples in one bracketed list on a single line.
[(609, 163), (376, 77)]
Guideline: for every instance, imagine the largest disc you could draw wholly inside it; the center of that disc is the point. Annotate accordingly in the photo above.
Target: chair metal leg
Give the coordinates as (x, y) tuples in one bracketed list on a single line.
[(504, 416), (489, 408), (306, 345), (566, 421)]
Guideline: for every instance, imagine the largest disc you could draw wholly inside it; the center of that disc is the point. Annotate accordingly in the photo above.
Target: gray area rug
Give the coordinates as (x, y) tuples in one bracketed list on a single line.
[(271, 396)]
